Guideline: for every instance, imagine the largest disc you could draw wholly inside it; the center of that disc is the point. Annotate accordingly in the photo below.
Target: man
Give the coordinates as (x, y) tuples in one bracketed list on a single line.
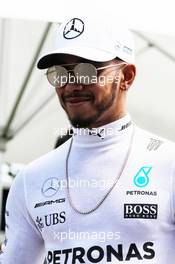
[(107, 194)]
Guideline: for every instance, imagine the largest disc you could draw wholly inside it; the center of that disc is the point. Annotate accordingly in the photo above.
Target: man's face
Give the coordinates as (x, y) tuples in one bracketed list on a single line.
[(95, 104)]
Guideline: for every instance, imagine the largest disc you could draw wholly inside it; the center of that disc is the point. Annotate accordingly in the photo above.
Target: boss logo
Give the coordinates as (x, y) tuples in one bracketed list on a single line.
[(145, 211)]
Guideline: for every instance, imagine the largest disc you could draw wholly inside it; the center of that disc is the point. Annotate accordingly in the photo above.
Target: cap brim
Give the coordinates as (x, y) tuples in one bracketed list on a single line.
[(93, 54)]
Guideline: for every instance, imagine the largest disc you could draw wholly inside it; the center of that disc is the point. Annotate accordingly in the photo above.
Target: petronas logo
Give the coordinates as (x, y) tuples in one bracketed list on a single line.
[(141, 179)]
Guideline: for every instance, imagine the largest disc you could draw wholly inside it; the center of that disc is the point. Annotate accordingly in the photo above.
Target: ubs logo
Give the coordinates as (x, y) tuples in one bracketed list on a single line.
[(73, 29), (50, 220), (50, 187)]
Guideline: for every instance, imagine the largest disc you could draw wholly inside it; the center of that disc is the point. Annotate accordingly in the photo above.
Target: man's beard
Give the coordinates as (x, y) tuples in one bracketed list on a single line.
[(104, 105)]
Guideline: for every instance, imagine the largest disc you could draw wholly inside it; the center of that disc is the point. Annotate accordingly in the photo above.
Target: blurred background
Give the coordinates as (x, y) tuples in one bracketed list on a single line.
[(30, 115)]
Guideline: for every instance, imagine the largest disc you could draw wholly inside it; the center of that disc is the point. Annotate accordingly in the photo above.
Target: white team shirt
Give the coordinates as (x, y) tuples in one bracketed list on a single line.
[(134, 224)]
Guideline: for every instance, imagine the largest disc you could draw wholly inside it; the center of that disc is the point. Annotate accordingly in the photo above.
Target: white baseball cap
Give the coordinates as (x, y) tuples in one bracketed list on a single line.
[(98, 39)]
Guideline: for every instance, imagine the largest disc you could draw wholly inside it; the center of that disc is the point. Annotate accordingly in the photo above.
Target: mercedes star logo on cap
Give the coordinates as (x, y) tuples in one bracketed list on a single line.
[(73, 28), (50, 187)]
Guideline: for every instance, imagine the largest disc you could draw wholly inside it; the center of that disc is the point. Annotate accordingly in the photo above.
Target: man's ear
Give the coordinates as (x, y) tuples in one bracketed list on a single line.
[(129, 73)]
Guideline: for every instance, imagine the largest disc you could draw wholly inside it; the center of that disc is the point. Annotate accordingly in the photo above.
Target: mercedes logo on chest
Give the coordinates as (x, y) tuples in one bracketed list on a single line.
[(50, 187), (73, 28)]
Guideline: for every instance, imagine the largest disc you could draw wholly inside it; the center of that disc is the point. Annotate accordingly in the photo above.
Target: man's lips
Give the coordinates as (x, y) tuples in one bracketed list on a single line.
[(77, 99)]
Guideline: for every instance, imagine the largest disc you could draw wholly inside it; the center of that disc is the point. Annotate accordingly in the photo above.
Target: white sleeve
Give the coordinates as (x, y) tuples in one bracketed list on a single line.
[(24, 244)]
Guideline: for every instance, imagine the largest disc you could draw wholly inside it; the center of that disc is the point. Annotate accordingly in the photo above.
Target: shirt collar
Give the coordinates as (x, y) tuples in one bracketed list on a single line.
[(107, 133)]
